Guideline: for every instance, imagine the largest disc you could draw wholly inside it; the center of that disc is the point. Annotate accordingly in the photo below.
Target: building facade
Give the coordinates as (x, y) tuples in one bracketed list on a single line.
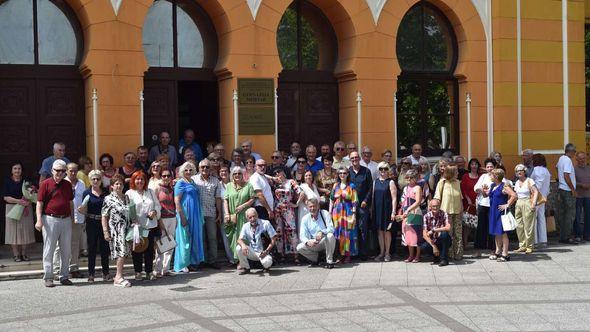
[(472, 76)]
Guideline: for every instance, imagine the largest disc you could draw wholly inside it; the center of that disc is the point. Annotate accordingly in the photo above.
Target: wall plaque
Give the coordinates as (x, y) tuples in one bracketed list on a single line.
[(256, 107)]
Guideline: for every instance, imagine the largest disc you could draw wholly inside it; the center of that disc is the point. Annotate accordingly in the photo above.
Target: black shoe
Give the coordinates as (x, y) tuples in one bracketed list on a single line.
[(66, 282), (435, 261), (444, 262), (243, 271), (313, 264), (213, 266), (329, 266), (77, 274)]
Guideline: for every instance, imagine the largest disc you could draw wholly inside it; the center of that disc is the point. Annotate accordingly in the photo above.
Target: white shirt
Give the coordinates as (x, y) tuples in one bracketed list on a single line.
[(259, 182), (373, 167), (542, 178), (254, 238), (417, 161), (144, 204), (565, 165), (78, 190), (522, 188), (486, 180)]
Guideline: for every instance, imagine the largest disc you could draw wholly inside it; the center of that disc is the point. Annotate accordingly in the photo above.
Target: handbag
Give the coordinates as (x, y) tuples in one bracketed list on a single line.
[(550, 221), (508, 221), (540, 198), (470, 220), (165, 243)]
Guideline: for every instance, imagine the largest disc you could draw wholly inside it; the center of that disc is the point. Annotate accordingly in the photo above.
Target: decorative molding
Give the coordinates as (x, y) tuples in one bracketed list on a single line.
[(116, 5), (376, 7), (254, 6), (484, 13)]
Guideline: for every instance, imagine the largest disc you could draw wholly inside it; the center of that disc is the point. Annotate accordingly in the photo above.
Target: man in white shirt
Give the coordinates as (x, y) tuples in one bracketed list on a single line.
[(366, 161), (416, 155), (250, 244), (264, 199), (566, 194), (316, 234)]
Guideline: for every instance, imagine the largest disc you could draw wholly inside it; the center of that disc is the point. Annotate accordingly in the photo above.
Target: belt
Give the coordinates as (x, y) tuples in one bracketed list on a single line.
[(57, 216), (93, 216)]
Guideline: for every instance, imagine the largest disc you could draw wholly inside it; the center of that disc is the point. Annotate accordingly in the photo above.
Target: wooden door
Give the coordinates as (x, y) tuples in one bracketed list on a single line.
[(160, 110)]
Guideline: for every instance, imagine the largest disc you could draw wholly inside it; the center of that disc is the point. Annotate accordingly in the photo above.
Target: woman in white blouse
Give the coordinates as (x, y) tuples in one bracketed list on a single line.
[(542, 179), (526, 191), (483, 240), (308, 190), (148, 209)]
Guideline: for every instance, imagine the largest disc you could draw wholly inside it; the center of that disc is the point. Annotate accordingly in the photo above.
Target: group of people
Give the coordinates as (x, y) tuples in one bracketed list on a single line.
[(169, 209)]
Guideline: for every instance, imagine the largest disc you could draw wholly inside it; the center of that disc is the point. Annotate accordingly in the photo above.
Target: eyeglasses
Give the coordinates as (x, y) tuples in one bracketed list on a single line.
[(95, 179), (338, 149), (276, 157), (238, 174), (204, 167), (384, 169), (354, 158), (59, 170), (301, 161), (342, 173), (261, 165), (165, 176)]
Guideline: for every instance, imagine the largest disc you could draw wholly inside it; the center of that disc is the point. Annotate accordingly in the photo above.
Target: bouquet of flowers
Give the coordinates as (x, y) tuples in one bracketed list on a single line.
[(29, 195)]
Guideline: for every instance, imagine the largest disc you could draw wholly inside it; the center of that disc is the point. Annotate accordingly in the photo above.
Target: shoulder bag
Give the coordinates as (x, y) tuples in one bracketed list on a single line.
[(165, 243), (508, 221), (540, 198)]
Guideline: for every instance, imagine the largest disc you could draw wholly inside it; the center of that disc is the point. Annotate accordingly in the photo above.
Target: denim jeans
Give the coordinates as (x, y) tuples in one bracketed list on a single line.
[(443, 243), (582, 217)]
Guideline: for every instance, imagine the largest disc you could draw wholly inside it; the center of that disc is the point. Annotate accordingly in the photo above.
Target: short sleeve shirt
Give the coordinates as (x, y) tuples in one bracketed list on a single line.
[(59, 202), (47, 164), (565, 165), (432, 221), (209, 191), (253, 236), (259, 182)]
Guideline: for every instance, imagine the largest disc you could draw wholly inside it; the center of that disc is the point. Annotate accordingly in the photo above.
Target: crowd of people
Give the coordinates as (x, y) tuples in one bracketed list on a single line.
[(169, 209)]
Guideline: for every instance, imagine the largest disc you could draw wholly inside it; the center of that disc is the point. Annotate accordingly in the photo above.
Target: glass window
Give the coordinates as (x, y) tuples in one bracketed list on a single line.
[(16, 32), (157, 35), (190, 42), (426, 87), (55, 48)]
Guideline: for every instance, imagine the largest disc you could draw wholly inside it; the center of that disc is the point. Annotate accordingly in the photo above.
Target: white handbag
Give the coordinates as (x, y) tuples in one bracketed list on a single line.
[(508, 221), (165, 243)]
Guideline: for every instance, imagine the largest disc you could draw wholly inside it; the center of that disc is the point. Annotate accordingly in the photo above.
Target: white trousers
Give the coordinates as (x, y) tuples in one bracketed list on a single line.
[(163, 260), (75, 243), (56, 231), (253, 255), (327, 244), (541, 225)]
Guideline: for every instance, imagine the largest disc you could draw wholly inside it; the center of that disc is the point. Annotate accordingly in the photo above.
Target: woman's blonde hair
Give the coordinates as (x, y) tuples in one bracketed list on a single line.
[(95, 173), (184, 166), (498, 173), (450, 173)]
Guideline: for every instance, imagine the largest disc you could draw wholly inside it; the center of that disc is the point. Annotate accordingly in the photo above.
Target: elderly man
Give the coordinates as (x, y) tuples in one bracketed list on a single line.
[(367, 161), (210, 194), (142, 162), (264, 203), (566, 194), (219, 150), (350, 148), (461, 164), (339, 156), (188, 141), (324, 152), (416, 155), (316, 234), (527, 161), (54, 219), (278, 164), (291, 162), (437, 240), (312, 164), (247, 151), (59, 152), (250, 242), (361, 177), (582, 171), (164, 147)]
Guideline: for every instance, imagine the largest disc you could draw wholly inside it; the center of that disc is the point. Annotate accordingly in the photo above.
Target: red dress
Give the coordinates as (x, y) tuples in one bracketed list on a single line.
[(467, 184)]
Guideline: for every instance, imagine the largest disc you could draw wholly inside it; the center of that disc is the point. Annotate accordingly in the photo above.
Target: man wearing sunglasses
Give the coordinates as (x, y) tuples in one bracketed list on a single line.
[(210, 194), (264, 199), (363, 181), (277, 164), (54, 218), (339, 156)]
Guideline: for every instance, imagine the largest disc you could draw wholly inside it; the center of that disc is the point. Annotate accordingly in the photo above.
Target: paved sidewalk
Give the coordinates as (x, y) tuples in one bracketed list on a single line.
[(546, 291)]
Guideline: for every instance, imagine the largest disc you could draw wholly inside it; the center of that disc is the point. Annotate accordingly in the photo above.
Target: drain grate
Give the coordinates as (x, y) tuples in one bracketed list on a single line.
[(185, 289)]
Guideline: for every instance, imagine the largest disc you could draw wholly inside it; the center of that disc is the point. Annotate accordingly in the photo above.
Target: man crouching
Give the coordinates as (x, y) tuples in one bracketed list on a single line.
[(250, 242), (316, 233)]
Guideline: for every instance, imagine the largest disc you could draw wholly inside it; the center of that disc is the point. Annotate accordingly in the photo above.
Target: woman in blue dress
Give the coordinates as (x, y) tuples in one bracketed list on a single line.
[(384, 208), (189, 251), (501, 198)]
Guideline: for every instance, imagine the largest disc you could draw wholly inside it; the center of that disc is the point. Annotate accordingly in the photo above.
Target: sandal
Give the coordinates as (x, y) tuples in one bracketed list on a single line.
[(122, 283), (409, 259), (416, 260), (503, 258), (494, 257)]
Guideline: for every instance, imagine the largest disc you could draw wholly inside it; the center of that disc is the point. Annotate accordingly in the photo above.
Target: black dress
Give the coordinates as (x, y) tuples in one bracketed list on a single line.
[(381, 204)]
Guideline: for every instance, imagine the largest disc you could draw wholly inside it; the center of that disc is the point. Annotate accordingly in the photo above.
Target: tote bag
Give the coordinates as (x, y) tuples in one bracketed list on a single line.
[(508, 221)]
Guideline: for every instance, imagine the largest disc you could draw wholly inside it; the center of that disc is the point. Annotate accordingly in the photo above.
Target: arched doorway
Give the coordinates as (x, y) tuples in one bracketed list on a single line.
[(180, 88), (307, 89), (427, 90)]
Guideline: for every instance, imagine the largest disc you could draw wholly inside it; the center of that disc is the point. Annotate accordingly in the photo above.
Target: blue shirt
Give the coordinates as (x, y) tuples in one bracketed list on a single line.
[(317, 165), (48, 164), (94, 202), (254, 237), (194, 146), (310, 227), (156, 150)]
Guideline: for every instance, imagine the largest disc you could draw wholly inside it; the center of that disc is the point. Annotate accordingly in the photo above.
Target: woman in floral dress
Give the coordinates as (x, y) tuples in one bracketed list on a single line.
[(285, 215), (115, 222), (343, 203)]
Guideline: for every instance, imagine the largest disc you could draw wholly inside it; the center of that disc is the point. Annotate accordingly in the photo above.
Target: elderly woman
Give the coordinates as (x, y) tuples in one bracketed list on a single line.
[(483, 240), (224, 180), (250, 169), (128, 168), (115, 222), (93, 200), (542, 178), (326, 178), (236, 158), (526, 192), (285, 218), (85, 164), (165, 195), (215, 163), (384, 207), (501, 198), (19, 233), (437, 176), (148, 211), (411, 216), (108, 171), (448, 192), (405, 166), (387, 157), (239, 196), (155, 176), (190, 221), (343, 205)]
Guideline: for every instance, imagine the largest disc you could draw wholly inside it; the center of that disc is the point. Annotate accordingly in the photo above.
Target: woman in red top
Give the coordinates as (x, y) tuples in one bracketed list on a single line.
[(165, 194), (468, 181)]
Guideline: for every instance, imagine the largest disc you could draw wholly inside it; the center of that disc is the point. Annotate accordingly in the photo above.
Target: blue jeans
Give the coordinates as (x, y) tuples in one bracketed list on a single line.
[(582, 216), (443, 243)]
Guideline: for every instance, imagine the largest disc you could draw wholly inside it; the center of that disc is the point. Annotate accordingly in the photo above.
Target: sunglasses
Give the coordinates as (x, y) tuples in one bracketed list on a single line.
[(354, 158), (204, 167), (165, 176), (339, 149), (384, 169), (342, 173), (276, 157), (301, 161), (59, 170)]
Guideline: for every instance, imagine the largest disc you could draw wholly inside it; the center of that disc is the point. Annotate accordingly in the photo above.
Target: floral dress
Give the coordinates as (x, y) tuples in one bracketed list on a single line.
[(285, 217), (344, 198), (117, 212)]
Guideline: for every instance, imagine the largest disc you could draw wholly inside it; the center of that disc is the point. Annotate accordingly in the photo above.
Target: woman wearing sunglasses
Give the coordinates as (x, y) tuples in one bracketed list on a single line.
[(165, 194), (384, 206), (343, 204)]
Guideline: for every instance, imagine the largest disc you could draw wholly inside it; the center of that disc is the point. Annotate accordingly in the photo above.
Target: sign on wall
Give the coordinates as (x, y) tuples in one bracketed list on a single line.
[(256, 106)]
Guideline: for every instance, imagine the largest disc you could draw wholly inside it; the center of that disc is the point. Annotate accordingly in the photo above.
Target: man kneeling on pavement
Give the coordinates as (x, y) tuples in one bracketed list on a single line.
[(316, 233), (436, 237), (250, 242)]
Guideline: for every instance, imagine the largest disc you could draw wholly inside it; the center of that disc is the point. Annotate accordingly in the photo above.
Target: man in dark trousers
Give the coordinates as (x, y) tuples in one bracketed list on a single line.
[(363, 182)]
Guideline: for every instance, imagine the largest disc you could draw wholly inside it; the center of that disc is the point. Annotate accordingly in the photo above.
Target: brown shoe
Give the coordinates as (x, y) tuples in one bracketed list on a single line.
[(66, 282), (48, 283)]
